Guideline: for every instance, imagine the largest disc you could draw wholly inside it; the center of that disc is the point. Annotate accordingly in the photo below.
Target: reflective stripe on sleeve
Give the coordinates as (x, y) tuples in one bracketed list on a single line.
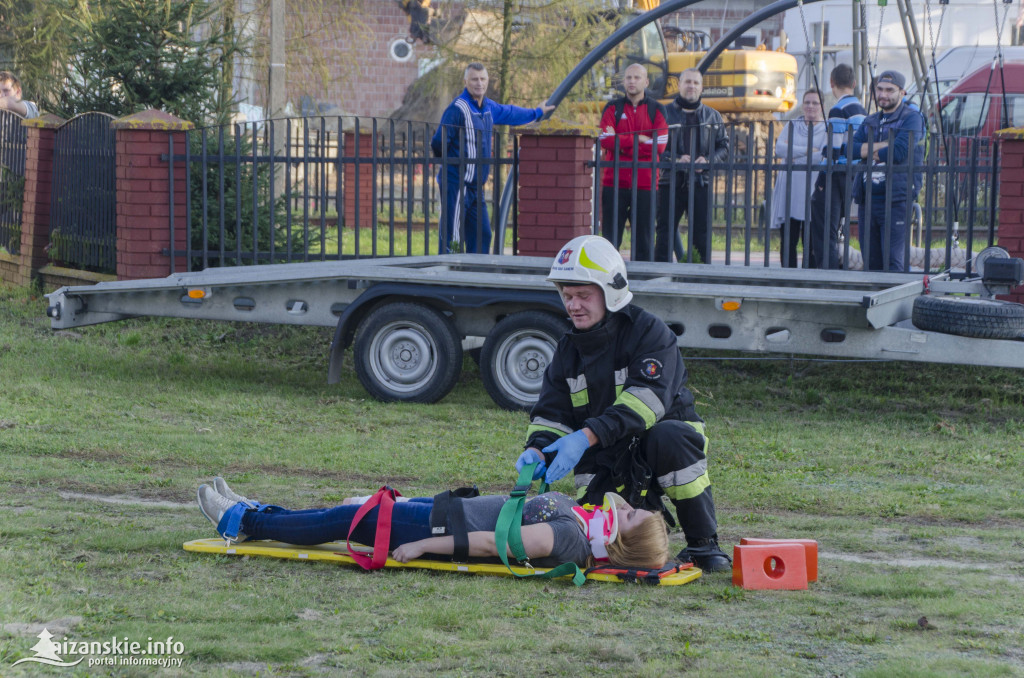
[(650, 399), (542, 424), (686, 483), (642, 410)]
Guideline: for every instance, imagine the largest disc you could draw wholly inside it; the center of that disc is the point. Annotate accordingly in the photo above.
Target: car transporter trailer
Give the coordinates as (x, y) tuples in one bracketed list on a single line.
[(409, 318)]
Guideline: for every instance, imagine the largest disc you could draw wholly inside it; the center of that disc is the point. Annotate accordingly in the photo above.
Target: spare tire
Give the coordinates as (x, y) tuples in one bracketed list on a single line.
[(969, 317)]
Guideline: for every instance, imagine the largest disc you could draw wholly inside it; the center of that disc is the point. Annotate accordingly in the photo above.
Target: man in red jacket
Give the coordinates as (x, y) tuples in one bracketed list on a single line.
[(631, 128)]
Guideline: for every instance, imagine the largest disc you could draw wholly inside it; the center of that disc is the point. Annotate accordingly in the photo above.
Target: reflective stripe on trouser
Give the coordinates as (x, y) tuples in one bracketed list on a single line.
[(676, 452)]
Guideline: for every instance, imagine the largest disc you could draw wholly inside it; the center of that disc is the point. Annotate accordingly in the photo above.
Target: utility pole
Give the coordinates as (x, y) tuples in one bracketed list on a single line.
[(276, 94)]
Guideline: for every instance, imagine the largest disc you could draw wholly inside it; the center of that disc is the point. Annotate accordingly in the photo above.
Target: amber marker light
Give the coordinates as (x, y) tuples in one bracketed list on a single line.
[(196, 294), (731, 305)]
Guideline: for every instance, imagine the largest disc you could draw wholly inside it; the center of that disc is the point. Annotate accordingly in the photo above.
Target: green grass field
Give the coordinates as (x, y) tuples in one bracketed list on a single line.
[(909, 476)]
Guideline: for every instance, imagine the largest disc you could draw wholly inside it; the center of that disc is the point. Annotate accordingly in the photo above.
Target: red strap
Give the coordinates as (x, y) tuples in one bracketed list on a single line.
[(385, 498)]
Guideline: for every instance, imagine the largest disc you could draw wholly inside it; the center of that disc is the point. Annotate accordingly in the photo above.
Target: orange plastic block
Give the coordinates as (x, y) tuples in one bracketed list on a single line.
[(769, 566), (810, 547)]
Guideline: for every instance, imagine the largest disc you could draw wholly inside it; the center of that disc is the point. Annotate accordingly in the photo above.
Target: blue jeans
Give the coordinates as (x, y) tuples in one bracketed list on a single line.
[(873, 249), (410, 521)]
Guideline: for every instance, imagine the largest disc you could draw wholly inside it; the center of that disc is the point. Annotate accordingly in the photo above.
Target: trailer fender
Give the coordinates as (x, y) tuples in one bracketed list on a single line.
[(442, 297)]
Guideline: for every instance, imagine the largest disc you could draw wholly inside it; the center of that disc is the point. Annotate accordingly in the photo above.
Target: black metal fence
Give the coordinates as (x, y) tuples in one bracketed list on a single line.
[(333, 188), (83, 228), (322, 188), (731, 203), (12, 180)]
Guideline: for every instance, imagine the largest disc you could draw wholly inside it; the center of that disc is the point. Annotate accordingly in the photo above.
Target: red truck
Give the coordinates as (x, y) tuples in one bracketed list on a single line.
[(968, 112)]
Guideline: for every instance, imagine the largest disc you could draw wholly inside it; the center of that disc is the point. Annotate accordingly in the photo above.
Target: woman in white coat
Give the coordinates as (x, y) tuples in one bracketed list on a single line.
[(794, 139)]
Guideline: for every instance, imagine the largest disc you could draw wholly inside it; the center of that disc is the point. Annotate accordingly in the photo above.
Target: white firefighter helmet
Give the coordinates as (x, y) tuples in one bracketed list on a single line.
[(590, 259)]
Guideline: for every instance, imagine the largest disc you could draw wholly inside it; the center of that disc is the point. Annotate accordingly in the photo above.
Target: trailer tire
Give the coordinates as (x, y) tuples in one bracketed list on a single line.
[(516, 354), (407, 352), (969, 317)]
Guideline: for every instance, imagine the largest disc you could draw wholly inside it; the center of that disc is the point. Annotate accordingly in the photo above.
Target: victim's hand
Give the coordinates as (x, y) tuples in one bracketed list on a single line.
[(410, 551)]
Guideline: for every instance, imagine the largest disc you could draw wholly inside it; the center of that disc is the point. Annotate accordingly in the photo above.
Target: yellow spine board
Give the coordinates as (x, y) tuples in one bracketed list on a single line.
[(336, 552)]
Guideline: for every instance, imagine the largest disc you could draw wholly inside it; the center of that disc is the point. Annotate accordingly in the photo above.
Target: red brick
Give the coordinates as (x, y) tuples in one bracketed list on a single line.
[(1010, 218), (542, 155), (139, 246), (145, 198), (1011, 203), (146, 148), (133, 210), (534, 180), (578, 180), (1008, 188)]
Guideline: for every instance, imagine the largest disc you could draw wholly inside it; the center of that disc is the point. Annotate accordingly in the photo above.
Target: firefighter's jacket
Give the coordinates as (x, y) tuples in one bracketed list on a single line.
[(618, 379)]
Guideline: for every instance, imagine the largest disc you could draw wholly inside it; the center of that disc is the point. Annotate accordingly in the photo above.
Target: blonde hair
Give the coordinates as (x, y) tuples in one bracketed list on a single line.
[(646, 545)]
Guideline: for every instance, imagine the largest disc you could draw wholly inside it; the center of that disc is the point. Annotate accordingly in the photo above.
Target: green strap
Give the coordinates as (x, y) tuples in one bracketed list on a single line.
[(508, 536)]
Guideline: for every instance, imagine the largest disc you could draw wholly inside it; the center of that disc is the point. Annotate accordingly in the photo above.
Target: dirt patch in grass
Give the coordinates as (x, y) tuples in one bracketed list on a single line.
[(124, 500)]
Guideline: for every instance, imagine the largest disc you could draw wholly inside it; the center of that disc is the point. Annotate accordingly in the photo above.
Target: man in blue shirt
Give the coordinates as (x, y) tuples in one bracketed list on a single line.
[(897, 134), (843, 119), (464, 139)]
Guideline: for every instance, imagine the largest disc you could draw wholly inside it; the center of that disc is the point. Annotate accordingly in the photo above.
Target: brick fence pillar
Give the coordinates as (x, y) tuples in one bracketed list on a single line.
[(556, 189), (1011, 197), (35, 211), (357, 181), (143, 194)]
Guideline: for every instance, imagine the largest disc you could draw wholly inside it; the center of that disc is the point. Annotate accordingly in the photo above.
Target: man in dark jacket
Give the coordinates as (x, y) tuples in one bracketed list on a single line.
[(614, 408), (883, 230), (843, 120), (464, 139), (697, 138)]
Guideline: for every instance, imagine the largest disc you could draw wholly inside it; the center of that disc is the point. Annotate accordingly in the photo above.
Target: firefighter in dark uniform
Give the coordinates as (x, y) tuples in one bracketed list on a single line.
[(614, 408)]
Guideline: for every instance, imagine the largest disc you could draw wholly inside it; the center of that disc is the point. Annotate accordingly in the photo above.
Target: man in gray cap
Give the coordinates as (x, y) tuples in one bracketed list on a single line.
[(894, 134)]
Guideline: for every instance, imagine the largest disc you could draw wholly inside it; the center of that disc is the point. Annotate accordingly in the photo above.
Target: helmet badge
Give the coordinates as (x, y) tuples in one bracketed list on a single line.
[(564, 255)]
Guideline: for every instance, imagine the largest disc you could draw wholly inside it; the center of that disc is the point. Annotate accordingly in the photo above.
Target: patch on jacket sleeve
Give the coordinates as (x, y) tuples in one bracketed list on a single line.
[(651, 368)]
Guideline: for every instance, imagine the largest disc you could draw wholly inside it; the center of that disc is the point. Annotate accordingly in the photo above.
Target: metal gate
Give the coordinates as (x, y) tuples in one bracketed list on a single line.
[(12, 179), (83, 228)]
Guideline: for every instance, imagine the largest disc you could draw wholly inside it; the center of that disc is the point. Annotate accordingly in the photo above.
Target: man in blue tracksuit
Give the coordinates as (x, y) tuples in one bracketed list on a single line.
[(883, 244), (843, 119), (464, 139)]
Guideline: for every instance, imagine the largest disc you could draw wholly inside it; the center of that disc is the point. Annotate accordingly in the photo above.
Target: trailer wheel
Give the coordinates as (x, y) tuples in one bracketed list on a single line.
[(969, 317), (515, 355), (407, 352)]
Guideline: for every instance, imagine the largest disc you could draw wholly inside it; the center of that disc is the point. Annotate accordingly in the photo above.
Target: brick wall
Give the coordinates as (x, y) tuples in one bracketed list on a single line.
[(361, 78), (143, 212), (555, 190)]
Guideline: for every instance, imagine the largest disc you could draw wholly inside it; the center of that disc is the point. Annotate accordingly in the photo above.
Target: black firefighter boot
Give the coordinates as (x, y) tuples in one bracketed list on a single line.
[(697, 518), (706, 554)]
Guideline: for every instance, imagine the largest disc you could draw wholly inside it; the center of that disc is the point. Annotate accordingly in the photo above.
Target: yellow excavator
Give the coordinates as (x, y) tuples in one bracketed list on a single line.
[(741, 84), (738, 82)]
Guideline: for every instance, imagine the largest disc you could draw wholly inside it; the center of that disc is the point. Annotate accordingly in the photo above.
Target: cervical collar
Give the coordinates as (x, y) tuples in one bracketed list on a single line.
[(600, 523)]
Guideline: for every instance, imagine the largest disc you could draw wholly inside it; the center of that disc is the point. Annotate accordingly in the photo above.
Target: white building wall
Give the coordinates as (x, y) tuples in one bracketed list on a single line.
[(969, 23)]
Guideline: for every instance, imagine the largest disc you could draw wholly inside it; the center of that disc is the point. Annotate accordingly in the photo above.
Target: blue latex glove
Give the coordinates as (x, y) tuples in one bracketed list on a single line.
[(531, 456), (569, 448)]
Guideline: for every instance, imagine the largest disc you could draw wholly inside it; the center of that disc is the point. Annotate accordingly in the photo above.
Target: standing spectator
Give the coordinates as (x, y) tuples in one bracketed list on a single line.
[(464, 138), (631, 124), (799, 142), (699, 137), (845, 116), (10, 97), (907, 147)]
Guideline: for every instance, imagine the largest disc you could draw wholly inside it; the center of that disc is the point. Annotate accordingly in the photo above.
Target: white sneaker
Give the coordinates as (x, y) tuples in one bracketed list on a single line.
[(214, 506), (220, 486)]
